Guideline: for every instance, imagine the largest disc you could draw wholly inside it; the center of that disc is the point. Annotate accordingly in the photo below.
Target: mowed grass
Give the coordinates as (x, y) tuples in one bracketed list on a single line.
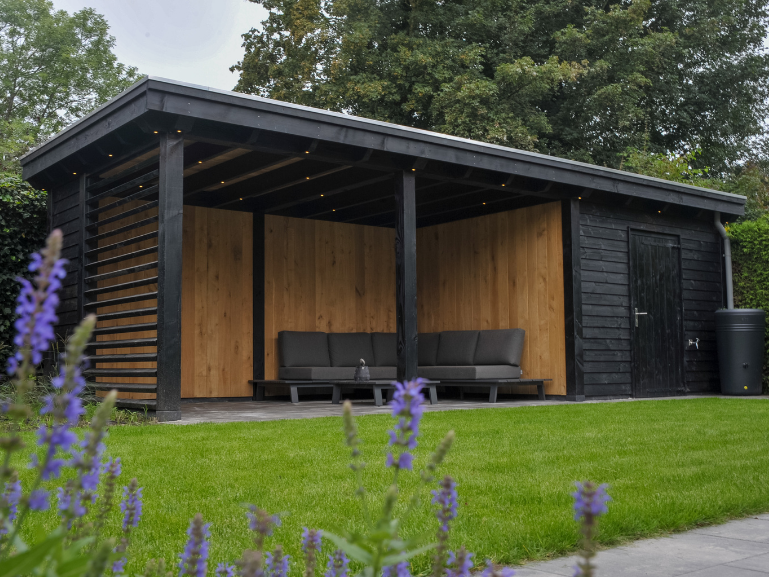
[(670, 465)]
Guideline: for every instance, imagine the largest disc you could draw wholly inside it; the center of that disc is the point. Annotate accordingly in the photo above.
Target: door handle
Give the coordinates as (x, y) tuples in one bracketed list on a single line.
[(636, 316)]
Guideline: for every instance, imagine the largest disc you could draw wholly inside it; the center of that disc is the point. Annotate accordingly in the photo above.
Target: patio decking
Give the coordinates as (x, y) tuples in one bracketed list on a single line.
[(245, 411)]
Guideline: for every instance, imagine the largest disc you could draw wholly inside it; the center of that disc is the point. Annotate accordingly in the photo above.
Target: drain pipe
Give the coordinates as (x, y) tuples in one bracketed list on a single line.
[(727, 260)]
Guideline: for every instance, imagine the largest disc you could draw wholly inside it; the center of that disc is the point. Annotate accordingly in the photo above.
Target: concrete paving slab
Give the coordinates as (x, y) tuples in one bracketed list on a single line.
[(681, 554), (756, 530), (758, 563), (724, 571)]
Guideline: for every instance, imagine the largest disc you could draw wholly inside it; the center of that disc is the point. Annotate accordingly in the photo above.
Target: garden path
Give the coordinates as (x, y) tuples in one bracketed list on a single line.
[(242, 411), (734, 549)]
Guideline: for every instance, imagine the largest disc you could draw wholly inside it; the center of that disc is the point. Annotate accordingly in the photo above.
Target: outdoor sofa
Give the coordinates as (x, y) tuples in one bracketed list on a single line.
[(480, 358)]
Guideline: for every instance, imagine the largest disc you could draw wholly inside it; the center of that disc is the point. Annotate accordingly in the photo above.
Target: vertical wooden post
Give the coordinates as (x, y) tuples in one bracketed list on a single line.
[(406, 274), (258, 275), (572, 279), (170, 197), (82, 249)]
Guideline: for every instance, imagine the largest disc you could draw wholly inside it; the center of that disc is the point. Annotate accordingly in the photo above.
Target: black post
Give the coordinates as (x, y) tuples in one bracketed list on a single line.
[(572, 279), (258, 275), (83, 183), (406, 274), (170, 196)]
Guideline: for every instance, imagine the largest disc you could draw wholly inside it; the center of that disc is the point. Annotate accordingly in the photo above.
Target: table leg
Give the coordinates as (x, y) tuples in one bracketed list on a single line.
[(377, 396), (294, 395), (433, 395), (336, 396), (493, 393), (259, 392), (541, 390)]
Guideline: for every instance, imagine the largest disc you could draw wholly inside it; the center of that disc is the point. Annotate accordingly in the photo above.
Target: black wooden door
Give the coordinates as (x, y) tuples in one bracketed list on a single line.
[(656, 313)]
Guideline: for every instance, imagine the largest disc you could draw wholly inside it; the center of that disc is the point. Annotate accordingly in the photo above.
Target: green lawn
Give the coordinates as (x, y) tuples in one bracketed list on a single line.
[(670, 465)]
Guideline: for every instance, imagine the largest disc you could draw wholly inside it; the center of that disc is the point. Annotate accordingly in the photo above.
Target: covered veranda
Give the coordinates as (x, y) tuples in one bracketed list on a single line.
[(200, 223)]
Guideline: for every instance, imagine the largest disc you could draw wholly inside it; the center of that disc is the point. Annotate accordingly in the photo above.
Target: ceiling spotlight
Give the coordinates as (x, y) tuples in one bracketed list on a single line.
[(200, 162), (580, 198), (307, 177), (241, 199), (110, 155), (484, 203), (141, 186), (178, 131), (307, 152), (503, 184), (321, 195), (74, 173), (222, 182), (333, 210), (413, 170), (156, 132), (659, 211)]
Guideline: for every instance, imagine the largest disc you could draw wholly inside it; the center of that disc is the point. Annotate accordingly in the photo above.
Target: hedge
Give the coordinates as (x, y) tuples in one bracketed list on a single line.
[(750, 255), (23, 228)]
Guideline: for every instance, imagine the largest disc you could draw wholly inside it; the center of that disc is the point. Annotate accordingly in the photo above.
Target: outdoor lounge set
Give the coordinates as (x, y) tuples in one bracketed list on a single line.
[(484, 358)]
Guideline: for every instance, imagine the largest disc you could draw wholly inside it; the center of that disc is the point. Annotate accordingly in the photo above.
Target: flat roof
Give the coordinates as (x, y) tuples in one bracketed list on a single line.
[(169, 97)]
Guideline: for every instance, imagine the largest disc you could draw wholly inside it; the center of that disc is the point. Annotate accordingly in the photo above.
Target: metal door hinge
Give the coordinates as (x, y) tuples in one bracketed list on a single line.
[(636, 316)]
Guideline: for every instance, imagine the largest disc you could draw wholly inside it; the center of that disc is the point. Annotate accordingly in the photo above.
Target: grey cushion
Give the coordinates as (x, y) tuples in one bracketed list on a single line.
[(385, 350), (316, 373), (457, 348), (469, 373), (499, 347), (382, 372), (347, 349), (427, 344), (303, 349)]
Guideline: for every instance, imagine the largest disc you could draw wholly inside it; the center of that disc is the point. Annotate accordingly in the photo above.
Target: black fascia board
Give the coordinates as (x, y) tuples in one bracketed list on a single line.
[(242, 110)]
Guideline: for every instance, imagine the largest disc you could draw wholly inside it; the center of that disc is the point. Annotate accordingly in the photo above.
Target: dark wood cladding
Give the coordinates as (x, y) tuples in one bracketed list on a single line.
[(406, 274), (606, 306)]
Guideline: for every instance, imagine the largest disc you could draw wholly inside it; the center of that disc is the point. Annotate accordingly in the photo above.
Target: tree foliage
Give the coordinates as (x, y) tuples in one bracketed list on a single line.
[(54, 68), (22, 232), (580, 79)]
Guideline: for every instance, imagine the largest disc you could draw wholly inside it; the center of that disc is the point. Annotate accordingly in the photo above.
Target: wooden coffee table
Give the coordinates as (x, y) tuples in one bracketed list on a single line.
[(377, 386)]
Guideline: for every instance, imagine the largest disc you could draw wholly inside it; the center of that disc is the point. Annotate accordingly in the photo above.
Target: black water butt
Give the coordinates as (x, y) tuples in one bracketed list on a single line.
[(740, 339)]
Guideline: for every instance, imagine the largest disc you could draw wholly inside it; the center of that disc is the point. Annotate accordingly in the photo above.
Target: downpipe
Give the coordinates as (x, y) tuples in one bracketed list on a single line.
[(727, 259)]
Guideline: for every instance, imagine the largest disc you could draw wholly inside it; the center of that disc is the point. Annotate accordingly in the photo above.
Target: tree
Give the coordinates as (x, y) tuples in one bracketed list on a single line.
[(576, 78), (54, 68)]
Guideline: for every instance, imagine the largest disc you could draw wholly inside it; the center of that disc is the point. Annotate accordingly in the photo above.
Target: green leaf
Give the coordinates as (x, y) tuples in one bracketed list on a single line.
[(355, 552), (406, 555), (24, 563)]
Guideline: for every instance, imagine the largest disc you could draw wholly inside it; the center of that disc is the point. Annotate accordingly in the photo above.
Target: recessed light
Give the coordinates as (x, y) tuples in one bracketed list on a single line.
[(241, 199), (200, 162), (503, 184), (74, 173), (307, 177), (307, 152), (222, 182), (484, 203), (140, 186), (579, 197), (333, 210), (156, 132), (321, 195), (413, 170), (659, 211), (110, 155), (178, 131)]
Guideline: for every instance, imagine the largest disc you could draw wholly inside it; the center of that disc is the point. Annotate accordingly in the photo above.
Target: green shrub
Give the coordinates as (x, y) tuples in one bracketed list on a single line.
[(750, 254), (22, 231)]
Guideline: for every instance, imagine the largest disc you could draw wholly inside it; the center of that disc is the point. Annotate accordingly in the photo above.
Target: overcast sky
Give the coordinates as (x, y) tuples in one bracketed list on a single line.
[(190, 40)]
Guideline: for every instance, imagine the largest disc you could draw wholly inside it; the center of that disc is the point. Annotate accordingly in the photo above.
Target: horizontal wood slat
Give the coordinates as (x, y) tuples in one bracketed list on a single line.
[(126, 387), (118, 217), (124, 344), (124, 328), (138, 181), (122, 257), (127, 314), (126, 358), (122, 286), (143, 193), (122, 300), (122, 244), (122, 229)]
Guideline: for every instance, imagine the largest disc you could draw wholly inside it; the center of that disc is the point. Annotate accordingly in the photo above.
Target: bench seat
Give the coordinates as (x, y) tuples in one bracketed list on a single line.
[(469, 372), (332, 373)]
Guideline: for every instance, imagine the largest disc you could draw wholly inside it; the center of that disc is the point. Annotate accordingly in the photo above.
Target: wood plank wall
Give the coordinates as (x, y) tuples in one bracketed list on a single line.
[(325, 276), (498, 271), (606, 295), (217, 303), (127, 292), (503, 270)]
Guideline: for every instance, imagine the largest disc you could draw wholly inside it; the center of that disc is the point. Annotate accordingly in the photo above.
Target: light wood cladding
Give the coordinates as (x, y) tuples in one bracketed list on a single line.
[(325, 276), (499, 271), (217, 303)]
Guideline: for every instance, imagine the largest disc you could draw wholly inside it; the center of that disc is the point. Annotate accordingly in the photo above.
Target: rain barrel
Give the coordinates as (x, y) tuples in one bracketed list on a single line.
[(740, 340)]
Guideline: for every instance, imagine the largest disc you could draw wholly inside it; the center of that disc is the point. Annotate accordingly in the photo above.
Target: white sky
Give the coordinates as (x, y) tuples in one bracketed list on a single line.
[(189, 40)]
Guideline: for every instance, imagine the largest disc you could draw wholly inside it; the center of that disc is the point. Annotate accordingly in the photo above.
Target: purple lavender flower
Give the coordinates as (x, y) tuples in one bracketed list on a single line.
[(38, 500), (446, 498), (310, 547), (194, 561), (459, 563), (113, 467), (36, 304), (337, 564), (590, 500), (490, 571), (407, 408), (119, 566), (11, 497), (224, 569), (402, 569), (261, 522), (70, 504), (277, 563), (131, 506), (311, 539)]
